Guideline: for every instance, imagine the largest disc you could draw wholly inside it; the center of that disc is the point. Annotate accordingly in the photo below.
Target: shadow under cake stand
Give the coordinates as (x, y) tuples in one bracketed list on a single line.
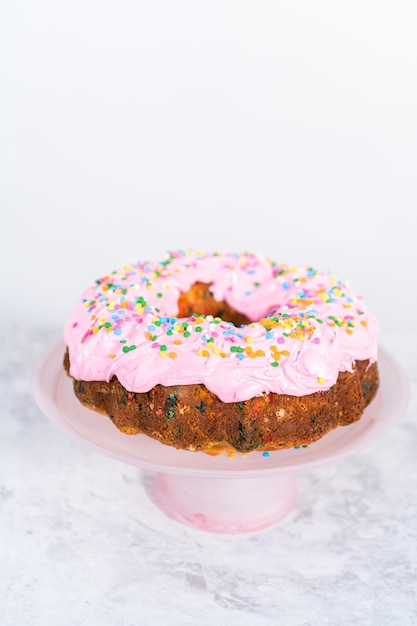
[(219, 494)]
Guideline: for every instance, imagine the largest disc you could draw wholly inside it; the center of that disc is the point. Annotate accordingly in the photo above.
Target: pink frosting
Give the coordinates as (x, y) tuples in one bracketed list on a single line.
[(307, 327)]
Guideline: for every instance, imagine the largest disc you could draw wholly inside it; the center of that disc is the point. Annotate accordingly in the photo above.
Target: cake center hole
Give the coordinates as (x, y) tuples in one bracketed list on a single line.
[(199, 300)]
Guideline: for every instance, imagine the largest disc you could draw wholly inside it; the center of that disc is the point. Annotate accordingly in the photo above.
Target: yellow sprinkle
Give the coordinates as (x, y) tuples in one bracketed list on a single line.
[(112, 356), (249, 339), (162, 353), (320, 380), (203, 352), (364, 323), (95, 329), (217, 351), (177, 342)]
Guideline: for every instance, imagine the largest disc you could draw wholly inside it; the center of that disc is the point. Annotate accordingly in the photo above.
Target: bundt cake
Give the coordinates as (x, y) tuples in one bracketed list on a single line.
[(223, 352)]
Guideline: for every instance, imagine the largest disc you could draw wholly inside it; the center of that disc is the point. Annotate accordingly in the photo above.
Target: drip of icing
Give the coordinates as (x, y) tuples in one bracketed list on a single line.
[(307, 327)]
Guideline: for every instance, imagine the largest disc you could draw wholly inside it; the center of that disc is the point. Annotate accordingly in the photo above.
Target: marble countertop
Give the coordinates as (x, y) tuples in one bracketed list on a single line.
[(81, 541)]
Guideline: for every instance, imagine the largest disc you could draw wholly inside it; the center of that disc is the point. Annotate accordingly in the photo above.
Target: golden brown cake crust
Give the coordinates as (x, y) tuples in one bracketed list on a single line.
[(191, 417)]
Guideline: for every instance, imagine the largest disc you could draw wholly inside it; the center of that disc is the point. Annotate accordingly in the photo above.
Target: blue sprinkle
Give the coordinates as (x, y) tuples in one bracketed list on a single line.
[(117, 331), (286, 285), (269, 335), (240, 356), (265, 453)]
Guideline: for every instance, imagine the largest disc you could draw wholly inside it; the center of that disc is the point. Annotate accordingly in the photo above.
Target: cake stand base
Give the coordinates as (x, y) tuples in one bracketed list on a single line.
[(225, 505), (219, 494)]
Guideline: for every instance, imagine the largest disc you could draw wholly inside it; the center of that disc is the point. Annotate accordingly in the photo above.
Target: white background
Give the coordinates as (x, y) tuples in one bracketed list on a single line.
[(131, 128)]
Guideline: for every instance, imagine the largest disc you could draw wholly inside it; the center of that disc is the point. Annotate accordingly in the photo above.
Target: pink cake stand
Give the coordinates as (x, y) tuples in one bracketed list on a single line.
[(219, 494)]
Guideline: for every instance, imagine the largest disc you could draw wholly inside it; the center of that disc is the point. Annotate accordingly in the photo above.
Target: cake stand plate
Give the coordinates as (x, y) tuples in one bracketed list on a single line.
[(220, 494)]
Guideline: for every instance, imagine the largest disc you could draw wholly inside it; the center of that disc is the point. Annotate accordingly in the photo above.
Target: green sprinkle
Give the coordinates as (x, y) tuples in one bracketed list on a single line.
[(163, 347), (125, 348)]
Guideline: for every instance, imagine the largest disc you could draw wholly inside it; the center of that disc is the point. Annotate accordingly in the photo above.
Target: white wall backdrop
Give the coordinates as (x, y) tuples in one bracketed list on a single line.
[(130, 128)]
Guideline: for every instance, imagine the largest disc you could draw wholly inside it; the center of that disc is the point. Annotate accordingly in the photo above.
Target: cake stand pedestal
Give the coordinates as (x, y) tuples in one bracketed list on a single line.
[(225, 505), (245, 493)]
